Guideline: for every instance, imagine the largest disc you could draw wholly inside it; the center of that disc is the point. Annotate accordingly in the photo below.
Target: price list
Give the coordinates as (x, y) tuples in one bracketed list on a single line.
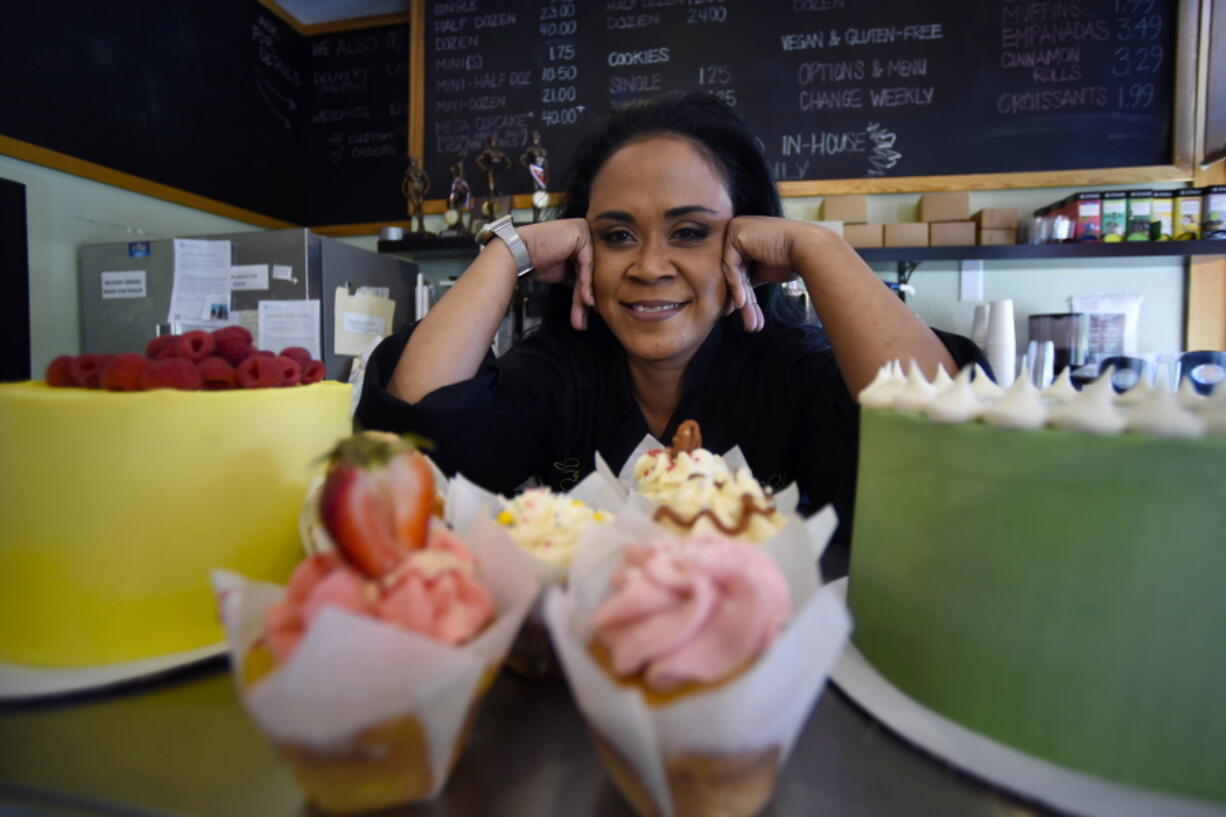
[(831, 88)]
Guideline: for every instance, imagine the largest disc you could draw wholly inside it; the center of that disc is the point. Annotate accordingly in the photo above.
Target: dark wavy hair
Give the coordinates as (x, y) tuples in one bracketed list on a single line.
[(722, 134)]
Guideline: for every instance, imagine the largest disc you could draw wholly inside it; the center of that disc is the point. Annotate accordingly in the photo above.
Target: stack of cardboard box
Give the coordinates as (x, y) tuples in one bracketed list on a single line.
[(945, 221)]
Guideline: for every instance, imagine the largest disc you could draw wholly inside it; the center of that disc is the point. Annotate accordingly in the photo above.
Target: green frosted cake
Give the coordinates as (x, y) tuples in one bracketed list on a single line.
[(1061, 592)]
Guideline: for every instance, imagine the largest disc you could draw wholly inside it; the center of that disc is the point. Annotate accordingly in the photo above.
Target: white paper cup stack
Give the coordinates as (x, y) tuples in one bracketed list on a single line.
[(1001, 348)]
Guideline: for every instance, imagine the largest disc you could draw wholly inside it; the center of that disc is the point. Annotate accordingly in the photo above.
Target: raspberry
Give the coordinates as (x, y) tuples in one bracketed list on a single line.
[(171, 373), (264, 353), (195, 345), (59, 372), (233, 348), (233, 332), (313, 372), (291, 372), (259, 372), (297, 353), (85, 369), (123, 372), (161, 346), (217, 374)]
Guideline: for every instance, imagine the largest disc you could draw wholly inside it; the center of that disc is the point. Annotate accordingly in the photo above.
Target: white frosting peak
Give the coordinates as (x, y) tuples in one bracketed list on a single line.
[(885, 387), (1189, 397), (1093, 411), (942, 381), (957, 403), (1214, 411), (1161, 415), (1021, 407), (918, 392), (1062, 390), (985, 389), (1138, 394)]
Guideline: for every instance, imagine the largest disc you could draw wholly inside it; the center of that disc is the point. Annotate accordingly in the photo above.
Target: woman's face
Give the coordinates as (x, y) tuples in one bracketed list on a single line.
[(657, 212)]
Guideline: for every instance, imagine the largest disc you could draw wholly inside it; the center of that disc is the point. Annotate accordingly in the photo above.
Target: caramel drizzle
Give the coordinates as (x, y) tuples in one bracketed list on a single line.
[(748, 509)]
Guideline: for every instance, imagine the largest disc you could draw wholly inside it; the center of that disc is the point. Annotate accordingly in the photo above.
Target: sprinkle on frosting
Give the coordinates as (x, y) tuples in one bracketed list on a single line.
[(546, 524)]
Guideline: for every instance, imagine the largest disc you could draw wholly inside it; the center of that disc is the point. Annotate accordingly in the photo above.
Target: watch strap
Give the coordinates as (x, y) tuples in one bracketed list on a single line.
[(504, 229)]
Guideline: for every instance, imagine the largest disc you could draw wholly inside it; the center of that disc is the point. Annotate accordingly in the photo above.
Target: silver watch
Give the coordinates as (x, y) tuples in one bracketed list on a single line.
[(504, 228)]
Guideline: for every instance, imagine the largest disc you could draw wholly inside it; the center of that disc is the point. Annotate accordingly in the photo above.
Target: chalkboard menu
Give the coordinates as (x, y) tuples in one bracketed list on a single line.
[(355, 142), (221, 99), (833, 89)]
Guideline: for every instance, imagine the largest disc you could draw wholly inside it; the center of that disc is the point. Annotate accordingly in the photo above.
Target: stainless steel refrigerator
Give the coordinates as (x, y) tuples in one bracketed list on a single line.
[(317, 267)]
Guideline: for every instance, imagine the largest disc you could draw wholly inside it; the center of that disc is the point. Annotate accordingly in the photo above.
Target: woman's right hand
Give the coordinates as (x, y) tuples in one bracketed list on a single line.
[(561, 253)]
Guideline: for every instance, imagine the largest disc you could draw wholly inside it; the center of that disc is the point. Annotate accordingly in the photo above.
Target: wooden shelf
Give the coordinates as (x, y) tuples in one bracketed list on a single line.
[(1021, 252), (466, 245)]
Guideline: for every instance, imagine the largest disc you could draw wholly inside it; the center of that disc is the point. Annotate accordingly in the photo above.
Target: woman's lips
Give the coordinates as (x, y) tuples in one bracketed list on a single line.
[(653, 311)]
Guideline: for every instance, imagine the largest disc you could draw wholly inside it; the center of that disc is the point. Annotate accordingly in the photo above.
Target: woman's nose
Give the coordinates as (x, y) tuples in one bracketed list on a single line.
[(653, 262)]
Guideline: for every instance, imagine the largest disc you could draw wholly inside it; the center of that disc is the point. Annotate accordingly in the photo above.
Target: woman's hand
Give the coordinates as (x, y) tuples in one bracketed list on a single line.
[(758, 250), (561, 253)]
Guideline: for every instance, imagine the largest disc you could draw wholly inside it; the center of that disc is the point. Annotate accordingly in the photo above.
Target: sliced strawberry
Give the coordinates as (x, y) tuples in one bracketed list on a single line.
[(376, 502)]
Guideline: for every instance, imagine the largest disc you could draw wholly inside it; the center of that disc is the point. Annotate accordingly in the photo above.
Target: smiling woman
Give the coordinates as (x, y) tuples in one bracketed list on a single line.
[(670, 251)]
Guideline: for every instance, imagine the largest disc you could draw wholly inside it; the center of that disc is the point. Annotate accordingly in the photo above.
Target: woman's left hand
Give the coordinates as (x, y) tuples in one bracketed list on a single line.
[(757, 250)]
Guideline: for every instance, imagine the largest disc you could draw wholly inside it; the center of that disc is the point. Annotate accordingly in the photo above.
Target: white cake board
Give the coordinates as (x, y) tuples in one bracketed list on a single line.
[(19, 682), (1049, 784)]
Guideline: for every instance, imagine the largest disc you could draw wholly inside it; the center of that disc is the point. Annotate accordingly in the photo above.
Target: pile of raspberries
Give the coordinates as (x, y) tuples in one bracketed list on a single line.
[(196, 360)]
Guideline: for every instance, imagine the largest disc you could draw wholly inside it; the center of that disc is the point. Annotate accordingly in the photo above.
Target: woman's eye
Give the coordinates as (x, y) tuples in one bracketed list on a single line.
[(616, 236), (690, 234)]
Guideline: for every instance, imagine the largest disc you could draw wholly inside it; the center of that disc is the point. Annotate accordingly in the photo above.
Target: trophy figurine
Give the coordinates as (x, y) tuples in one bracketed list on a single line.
[(414, 187), (493, 161), (459, 201), (534, 159)]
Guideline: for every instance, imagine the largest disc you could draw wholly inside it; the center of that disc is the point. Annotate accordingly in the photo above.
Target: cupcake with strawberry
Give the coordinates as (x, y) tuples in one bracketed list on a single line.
[(366, 671)]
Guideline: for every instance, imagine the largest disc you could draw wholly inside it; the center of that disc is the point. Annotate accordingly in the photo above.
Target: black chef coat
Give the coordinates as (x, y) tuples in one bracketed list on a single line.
[(550, 403)]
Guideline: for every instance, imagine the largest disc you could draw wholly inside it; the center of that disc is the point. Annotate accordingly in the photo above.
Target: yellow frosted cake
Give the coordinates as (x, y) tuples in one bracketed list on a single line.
[(115, 507)]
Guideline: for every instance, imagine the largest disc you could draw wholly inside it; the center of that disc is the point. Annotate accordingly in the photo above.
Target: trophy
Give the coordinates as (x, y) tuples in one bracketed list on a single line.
[(458, 216), (493, 161), (533, 158), (414, 187)]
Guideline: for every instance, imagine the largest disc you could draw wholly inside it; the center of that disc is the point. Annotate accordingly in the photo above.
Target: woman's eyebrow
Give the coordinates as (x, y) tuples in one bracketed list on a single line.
[(685, 210), (615, 215)]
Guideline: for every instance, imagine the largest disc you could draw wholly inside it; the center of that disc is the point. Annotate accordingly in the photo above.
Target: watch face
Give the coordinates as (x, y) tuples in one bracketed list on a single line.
[(540, 199), (451, 216)]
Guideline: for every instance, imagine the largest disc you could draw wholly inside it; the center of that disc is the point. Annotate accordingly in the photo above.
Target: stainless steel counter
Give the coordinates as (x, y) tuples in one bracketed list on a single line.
[(183, 745)]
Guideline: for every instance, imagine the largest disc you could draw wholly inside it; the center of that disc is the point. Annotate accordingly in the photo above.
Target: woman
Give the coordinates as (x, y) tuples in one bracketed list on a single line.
[(672, 241)]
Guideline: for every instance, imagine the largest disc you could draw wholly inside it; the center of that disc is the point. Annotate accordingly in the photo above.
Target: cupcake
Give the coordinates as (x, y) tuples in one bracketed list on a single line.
[(696, 491), (367, 670), (547, 525), (696, 661)]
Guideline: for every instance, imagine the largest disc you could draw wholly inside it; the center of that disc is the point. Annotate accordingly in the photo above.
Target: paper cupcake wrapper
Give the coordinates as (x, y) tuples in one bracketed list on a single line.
[(763, 708), (468, 502), (351, 672)]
